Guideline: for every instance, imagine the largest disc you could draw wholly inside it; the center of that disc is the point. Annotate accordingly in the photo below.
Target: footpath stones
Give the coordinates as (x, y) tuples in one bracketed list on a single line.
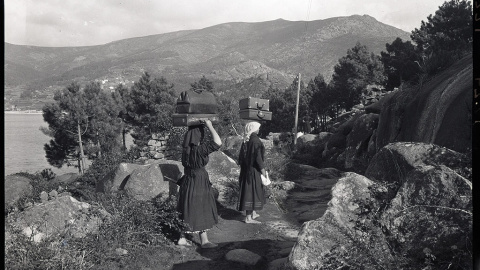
[(243, 256)]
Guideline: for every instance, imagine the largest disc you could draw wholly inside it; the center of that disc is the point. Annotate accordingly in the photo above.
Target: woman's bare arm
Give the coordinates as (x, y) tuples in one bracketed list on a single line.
[(214, 133)]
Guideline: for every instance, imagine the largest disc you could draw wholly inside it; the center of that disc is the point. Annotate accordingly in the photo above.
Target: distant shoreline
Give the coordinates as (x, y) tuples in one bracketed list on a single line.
[(22, 112)]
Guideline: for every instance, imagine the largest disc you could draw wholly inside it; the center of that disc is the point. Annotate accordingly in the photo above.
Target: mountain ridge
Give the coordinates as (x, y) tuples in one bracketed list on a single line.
[(272, 49)]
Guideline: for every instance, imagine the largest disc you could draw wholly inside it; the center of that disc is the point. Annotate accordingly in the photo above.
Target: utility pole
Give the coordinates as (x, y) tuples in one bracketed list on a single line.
[(296, 113), (82, 155)]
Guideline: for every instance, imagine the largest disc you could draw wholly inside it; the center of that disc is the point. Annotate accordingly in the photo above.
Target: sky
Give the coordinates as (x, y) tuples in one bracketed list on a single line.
[(61, 23)]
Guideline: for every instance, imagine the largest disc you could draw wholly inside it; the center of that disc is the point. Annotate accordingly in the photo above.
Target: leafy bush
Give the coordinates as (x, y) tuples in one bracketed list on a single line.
[(22, 253), (232, 192), (175, 141), (40, 181), (276, 161), (136, 226)]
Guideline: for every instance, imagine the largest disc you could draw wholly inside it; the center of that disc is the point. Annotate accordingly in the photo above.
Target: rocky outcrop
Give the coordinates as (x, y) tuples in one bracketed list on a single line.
[(221, 170), (400, 158), (357, 151), (116, 178), (64, 214), (158, 178), (231, 146), (147, 182), (16, 187), (439, 112), (143, 182), (326, 242), (412, 210)]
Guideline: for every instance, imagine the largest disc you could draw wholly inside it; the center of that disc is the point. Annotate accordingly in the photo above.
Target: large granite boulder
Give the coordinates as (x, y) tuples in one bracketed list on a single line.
[(398, 159), (16, 187), (116, 179), (221, 170), (439, 112), (147, 182), (357, 154), (413, 210), (327, 242), (144, 182), (62, 215)]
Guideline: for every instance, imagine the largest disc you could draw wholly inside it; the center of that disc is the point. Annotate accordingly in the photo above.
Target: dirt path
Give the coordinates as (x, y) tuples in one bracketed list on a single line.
[(273, 239)]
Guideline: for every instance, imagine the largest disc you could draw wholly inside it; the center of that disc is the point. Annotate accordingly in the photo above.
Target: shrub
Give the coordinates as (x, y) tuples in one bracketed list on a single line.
[(231, 192), (175, 141), (39, 183), (136, 226)]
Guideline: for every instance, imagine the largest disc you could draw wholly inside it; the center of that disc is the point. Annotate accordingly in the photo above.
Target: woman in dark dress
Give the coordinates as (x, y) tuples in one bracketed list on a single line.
[(251, 159), (197, 205)]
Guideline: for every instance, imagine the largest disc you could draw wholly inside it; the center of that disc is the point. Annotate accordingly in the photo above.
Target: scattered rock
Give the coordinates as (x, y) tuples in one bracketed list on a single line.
[(420, 194), (64, 214), (52, 194), (243, 256), (66, 178), (278, 264), (147, 182), (43, 196), (121, 251), (305, 139)]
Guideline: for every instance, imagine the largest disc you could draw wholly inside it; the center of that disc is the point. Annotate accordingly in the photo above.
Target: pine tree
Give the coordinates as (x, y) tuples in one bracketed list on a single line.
[(400, 62), (151, 103), (82, 122), (449, 30), (354, 72)]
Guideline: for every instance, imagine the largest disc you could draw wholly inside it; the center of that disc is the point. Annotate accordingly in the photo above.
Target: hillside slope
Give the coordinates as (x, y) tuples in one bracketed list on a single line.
[(279, 48)]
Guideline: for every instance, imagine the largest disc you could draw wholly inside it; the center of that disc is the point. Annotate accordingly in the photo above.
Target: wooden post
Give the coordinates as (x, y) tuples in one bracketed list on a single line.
[(82, 156), (296, 112)]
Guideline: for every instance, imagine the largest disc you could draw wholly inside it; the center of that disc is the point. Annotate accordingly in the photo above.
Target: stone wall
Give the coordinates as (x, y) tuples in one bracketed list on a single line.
[(156, 148)]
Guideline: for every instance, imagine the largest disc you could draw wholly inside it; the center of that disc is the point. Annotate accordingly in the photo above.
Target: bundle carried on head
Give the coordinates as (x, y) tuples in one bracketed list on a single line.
[(193, 106), (255, 109)]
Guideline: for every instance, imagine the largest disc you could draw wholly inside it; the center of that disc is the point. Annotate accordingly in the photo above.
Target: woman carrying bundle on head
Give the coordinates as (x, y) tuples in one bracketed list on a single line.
[(251, 160), (196, 204)]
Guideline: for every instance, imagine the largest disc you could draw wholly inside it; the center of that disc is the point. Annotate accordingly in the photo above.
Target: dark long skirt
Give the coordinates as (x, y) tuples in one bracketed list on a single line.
[(252, 192), (196, 203)]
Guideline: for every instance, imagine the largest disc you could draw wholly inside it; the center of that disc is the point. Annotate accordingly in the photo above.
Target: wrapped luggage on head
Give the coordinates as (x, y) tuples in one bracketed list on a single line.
[(193, 106), (252, 108)]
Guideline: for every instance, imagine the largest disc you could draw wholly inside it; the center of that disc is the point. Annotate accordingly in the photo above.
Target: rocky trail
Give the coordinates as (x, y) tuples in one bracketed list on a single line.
[(266, 245), (242, 245)]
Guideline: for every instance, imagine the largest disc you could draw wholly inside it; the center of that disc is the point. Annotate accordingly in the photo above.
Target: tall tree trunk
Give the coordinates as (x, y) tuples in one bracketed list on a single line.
[(124, 133), (82, 156)]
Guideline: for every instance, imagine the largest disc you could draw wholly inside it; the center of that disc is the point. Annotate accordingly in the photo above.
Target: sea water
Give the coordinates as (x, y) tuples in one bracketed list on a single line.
[(24, 142)]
